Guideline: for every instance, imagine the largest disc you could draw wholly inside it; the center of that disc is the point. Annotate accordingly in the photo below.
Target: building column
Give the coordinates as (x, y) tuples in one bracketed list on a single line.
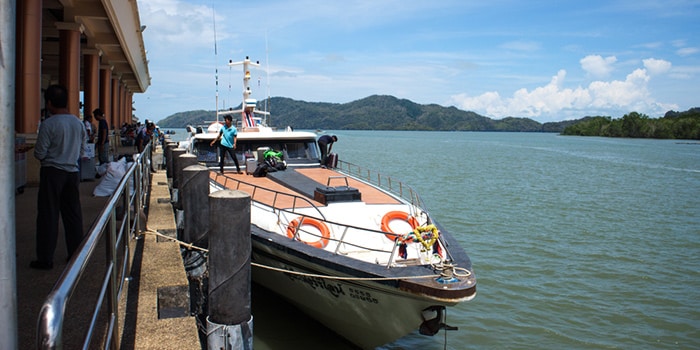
[(106, 89), (91, 81), (69, 63), (115, 101), (28, 94), (122, 97), (130, 103)]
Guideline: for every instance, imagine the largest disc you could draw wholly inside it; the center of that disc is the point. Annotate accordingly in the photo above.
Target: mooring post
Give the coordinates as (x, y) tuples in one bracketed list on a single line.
[(195, 203), (182, 162), (166, 141), (194, 191), (230, 323), (169, 147), (176, 153)]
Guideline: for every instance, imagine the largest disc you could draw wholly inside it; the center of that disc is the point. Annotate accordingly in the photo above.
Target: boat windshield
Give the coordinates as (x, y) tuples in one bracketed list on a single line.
[(295, 151)]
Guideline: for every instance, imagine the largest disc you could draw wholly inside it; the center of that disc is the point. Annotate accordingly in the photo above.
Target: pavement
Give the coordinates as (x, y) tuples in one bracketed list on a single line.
[(156, 270)]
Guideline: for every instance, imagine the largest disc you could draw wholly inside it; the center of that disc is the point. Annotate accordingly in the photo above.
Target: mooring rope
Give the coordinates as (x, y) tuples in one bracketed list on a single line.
[(445, 270)]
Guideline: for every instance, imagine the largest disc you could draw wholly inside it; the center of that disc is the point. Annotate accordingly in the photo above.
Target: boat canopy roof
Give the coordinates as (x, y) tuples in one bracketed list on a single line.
[(263, 135)]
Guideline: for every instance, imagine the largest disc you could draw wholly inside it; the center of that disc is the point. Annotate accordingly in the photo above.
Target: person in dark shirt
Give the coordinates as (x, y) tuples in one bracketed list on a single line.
[(102, 136), (325, 143), (143, 136)]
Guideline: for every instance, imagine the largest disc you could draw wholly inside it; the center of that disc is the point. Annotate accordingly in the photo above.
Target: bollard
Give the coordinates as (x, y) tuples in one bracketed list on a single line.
[(169, 159), (195, 203), (230, 323), (182, 162), (176, 153), (194, 191), (164, 145)]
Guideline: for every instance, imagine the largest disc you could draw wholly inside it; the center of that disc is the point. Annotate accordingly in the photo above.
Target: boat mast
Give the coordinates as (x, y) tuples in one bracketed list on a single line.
[(247, 105), (246, 76), (267, 81), (216, 66)]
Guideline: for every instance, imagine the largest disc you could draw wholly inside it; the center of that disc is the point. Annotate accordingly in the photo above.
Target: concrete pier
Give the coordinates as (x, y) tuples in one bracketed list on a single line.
[(153, 305)]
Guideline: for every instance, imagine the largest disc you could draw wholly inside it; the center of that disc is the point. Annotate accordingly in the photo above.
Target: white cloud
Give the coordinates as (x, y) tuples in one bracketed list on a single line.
[(597, 66), (177, 27), (655, 67), (617, 93), (526, 46), (554, 101), (687, 51)]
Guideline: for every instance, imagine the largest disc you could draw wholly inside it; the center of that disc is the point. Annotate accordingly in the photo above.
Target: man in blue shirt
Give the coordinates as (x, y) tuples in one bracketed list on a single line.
[(59, 147), (228, 138)]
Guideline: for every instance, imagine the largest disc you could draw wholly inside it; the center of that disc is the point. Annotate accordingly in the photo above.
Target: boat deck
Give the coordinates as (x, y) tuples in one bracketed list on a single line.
[(272, 193)]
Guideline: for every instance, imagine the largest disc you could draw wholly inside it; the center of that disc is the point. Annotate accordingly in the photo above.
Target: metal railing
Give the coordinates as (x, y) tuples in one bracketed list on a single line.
[(115, 232), (297, 202), (384, 182), (256, 192)]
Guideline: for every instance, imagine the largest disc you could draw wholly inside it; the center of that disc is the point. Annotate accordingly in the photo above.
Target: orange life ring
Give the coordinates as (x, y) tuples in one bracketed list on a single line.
[(325, 233), (396, 215)]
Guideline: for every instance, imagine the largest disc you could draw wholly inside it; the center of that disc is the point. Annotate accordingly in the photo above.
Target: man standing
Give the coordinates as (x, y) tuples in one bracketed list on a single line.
[(228, 136), (102, 135), (325, 143), (143, 136), (59, 147)]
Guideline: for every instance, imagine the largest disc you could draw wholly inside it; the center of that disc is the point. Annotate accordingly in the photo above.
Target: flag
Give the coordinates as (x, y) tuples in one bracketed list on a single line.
[(248, 119)]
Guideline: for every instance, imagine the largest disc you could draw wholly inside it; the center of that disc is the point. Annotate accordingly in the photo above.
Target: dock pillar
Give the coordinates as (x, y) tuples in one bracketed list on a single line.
[(182, 162), (230, 322), (176, 153), (195, 203), (169, 147)]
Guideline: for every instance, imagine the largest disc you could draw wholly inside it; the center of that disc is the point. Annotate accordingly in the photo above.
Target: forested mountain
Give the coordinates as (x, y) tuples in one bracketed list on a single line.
[(373, 113), (390, 113)]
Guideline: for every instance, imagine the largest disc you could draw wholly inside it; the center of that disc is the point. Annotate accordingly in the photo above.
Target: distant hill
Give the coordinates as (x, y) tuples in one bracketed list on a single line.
[(674, 125), (375, 112)]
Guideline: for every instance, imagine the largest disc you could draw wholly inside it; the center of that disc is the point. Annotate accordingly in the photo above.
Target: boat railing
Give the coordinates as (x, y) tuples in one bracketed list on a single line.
[(113, 230), (270, 197), (280, 202), (382, 181)]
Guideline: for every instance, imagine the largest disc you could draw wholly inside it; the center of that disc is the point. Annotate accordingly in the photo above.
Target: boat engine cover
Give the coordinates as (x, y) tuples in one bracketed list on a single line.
[(328, 194)]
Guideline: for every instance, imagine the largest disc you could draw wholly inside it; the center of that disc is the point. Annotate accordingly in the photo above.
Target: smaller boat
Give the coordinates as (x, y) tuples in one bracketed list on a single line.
[(357, 251)]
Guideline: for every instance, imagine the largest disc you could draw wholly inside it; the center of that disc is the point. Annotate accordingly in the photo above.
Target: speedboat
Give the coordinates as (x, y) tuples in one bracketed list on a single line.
[(357, 251)]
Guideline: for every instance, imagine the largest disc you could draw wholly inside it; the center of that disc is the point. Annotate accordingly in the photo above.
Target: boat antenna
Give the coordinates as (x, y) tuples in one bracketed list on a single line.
[(267, 80), (216, 64)]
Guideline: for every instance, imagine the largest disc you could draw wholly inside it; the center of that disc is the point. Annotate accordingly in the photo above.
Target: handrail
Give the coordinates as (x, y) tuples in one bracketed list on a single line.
[(384, 182), (276, 194), (51, 316), (255, 189)]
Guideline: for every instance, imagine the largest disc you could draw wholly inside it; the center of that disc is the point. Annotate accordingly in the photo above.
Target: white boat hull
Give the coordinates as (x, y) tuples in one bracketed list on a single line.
[(367, 314)]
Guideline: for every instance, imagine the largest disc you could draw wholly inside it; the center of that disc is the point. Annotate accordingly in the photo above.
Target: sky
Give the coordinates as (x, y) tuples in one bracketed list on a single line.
[(544, 60)]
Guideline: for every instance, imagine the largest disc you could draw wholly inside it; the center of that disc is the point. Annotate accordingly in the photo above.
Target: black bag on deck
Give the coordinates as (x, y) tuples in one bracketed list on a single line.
[(331, 160), (261, 170)]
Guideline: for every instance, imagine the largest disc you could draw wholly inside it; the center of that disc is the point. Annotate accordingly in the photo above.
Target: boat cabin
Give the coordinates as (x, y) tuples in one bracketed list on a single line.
[(299, 148)]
